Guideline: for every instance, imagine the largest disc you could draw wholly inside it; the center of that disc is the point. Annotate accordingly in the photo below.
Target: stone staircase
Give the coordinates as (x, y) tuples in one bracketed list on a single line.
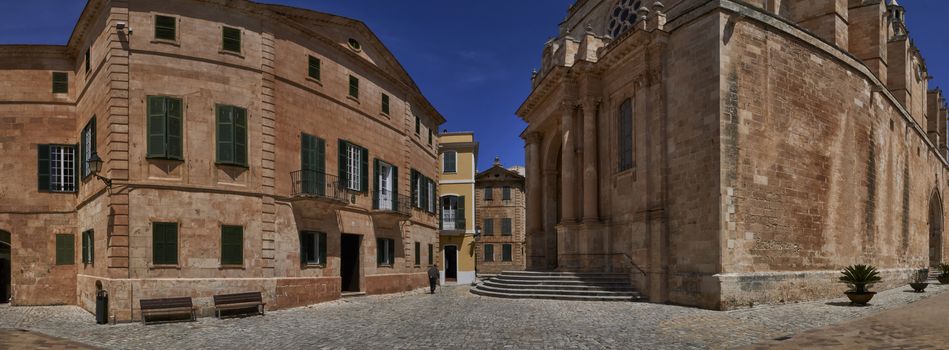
[(587, 286)]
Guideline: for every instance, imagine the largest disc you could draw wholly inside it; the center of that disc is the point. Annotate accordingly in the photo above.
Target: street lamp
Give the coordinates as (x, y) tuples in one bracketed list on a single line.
[(95, 164)]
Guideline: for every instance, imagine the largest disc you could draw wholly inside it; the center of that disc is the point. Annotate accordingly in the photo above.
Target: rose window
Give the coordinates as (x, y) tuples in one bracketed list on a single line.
[(623, 16)]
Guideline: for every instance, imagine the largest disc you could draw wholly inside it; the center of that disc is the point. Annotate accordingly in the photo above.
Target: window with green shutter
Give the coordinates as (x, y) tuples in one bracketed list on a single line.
[(60, 82), (65, 249), (385, 104), (506, 252), (164, 127), (431, 255), (232, 245), (312, 164), (165, 27), (506, 226), (449, 161), (231, 135), (314, 68), (88, 247), (312, 248), (231, 39), (353, 86), (57, 168), (87, 146), (353, 166), (385, 252), (418, 254), (164, 243), (488, 228), (488, 252)]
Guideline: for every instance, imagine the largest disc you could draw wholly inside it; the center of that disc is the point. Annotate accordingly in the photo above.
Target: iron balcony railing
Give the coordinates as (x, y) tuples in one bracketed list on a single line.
[(385, 200), (312, 183)]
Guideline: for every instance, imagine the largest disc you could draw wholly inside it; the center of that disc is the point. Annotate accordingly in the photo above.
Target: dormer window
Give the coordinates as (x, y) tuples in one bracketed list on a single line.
[(623, 16)]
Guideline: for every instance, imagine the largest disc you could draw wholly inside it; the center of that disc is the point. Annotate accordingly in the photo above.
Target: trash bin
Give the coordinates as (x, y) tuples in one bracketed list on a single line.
[(102, 307)]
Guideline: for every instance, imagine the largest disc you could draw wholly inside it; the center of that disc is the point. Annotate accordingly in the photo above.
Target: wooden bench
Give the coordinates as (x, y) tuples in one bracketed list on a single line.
[(238, 301), (166, 306)]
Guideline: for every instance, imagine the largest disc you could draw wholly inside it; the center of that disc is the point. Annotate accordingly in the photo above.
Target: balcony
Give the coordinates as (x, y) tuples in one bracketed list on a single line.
[(384, 201), (318, 184), (452, 223)]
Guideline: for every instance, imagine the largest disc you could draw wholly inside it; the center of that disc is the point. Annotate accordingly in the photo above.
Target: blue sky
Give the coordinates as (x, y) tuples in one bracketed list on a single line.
[(472, 59)]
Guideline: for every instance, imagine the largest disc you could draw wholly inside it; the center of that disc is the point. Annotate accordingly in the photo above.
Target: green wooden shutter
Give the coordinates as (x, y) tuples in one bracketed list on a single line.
[(391, 249), (156, 127), (488, 228), (321, 241), (173, 128), (418, 253), (395, 187), (92, 246), (506, 252), (488, 252), (320, 166), (441, 212), (164, 243), (375, 184), (65, 249), (240, 136), (385, 103), (364, 170), (84, 248), (413, 178), (60, 82), (42, 170), (232, 245), (353, 86), (231, 39), (225, 135), (165, 27), (431, 254), (306, 241), (308, 154), (314, 68), (460, 214), (158, 243), (380, 251), (343, 160)]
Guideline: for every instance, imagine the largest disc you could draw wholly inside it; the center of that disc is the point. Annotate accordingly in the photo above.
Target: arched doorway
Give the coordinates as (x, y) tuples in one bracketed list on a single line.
[(5, 262), (935, 229)]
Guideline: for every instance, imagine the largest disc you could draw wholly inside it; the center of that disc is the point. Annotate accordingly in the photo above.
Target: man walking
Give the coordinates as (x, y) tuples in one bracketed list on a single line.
[(433, 277)]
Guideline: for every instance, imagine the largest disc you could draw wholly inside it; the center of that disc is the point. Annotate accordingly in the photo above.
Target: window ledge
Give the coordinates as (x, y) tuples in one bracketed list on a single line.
[(164, 267), (388, 266), (314, 80), (231, 267), (385, 115), (166, 42), (232, 53), (164, 158), (314, 266), (350, 97), (244, 166)]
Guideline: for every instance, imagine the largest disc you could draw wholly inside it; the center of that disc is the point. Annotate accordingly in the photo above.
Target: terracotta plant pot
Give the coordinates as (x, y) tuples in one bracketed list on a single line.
[(943, 279), (919, 287), (860, 298)]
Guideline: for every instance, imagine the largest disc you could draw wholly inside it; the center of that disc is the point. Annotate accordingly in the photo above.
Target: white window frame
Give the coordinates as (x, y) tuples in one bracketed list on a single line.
[(62, 168), (355, 170), (385, 186)]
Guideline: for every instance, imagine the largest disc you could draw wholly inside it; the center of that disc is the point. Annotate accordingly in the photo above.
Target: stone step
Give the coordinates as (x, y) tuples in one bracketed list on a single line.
[(480, 291), (549, 280), (533, 291), (566, 274), (609, 287)]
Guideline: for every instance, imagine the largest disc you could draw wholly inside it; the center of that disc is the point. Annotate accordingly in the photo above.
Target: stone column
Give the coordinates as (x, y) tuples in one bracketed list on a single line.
[(591, 211), (534, 175), (568, 189)]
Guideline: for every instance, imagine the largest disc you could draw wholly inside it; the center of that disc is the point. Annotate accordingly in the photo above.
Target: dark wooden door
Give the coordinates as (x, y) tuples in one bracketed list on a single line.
[(451, 262), (349, 263)]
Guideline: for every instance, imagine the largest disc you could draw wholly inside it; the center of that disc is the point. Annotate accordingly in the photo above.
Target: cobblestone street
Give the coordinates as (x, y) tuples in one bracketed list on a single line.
[(455, 318)]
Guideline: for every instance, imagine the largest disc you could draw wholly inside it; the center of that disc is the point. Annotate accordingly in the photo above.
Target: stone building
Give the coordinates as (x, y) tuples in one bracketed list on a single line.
[(456, 184), (249, 147), (726, 153), (499, 198)]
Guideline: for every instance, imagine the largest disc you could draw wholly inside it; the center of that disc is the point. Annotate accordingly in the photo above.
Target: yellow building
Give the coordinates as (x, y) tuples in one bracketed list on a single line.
[(458, 152)]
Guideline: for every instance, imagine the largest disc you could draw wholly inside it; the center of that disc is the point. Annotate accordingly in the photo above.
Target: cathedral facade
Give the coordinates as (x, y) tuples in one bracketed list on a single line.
[(726, 153)]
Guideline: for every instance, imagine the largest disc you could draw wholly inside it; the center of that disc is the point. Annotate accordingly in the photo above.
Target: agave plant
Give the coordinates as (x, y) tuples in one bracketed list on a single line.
[(860, 277)]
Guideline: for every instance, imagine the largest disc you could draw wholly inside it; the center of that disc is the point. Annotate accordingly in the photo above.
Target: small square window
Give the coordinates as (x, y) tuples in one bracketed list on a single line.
[(60, 82), (313, 248), (166, 28)]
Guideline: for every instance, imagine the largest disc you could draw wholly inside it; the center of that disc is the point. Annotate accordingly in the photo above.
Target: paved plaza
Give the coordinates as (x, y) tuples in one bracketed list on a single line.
[(455, 318)]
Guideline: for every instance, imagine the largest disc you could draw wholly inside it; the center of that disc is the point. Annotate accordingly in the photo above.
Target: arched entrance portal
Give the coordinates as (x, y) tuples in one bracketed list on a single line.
[(5, 261), (935, 229)]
